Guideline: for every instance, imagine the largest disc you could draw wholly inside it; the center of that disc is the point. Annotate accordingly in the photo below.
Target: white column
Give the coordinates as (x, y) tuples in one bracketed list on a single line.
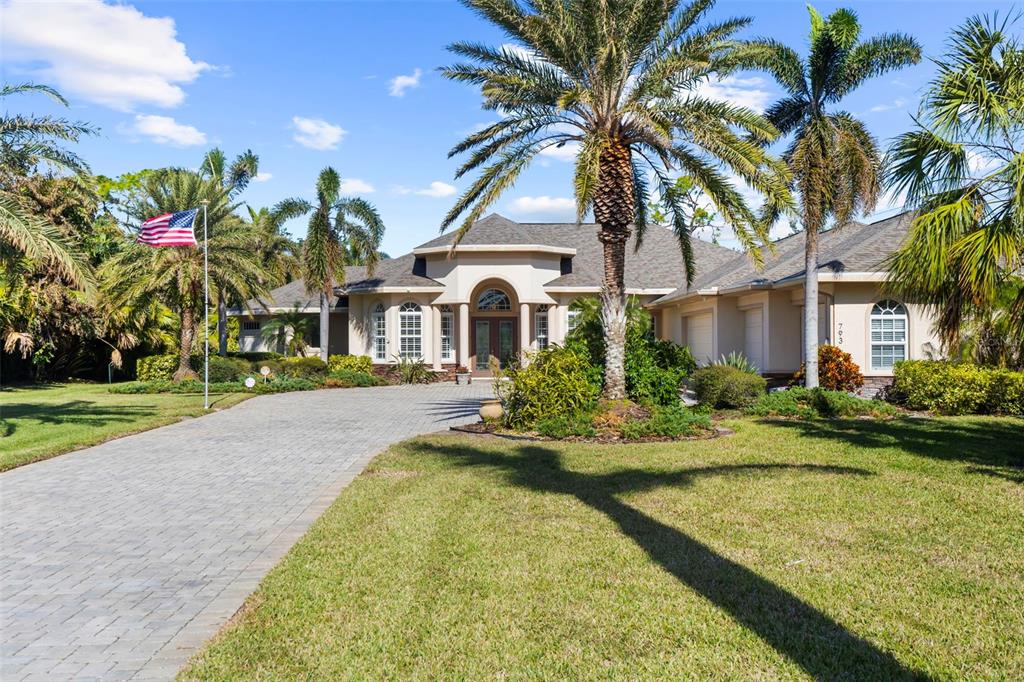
[(524, 329), (463, 335), (435, 336)]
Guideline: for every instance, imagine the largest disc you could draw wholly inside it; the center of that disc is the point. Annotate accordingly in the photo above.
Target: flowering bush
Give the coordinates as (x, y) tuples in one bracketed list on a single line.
[(836, 370)]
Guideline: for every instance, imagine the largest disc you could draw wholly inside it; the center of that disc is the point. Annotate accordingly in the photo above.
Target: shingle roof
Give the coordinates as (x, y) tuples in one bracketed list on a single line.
[(286, 296), (658, 264), (856, 247)]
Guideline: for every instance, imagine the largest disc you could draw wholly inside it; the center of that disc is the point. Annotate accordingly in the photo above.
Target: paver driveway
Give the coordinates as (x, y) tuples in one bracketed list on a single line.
[(118, 561)]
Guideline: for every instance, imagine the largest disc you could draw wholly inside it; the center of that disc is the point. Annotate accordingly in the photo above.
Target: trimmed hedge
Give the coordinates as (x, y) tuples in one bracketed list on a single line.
[(957, 388), (803, 403), (346, 378), (162, 367), (725, 386), (351, 363)]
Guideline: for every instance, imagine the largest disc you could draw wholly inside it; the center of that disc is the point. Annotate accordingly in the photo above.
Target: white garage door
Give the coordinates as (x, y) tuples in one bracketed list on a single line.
[(753, 346), (698, 337)]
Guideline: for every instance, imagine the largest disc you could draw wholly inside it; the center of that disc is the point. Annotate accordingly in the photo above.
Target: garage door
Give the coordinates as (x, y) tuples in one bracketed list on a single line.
[(698, 337), (753, 346)]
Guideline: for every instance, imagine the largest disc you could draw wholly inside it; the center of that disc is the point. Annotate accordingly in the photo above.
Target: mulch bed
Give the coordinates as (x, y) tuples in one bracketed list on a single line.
[(485, 429)]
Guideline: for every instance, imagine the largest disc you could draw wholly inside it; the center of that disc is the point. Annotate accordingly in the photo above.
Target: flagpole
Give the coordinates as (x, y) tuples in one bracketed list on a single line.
[(206, 311)]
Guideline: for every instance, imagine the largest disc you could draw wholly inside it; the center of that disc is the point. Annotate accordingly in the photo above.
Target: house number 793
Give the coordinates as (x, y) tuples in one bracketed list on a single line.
[(839, 334)]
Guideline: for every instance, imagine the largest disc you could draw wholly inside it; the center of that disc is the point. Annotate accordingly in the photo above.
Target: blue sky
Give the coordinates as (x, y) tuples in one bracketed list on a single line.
[(311, 84)]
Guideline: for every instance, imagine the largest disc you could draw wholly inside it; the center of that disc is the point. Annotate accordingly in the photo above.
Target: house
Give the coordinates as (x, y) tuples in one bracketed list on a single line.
[(509, 286), (736, 307)]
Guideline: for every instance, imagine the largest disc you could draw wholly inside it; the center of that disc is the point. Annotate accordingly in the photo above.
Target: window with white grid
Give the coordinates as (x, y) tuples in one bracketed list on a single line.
[(888, 334), (380, 333), (541, 327), (410, 331), (447, 334)]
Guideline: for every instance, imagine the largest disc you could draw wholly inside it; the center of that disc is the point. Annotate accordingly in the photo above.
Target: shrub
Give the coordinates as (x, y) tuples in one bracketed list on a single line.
[(226, 369), (739, 361), (673, 421), (346, 378), (957, 388), (165, 386), (156, 367), (284, 385), (725, 386), (836, 370), (566, 426), (303, 368), (410, 371), (256, 356), (556, 383), (353, 363), (803, 403)]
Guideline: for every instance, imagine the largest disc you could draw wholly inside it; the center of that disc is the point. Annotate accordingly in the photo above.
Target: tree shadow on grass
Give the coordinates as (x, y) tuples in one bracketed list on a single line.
[(78, 412), (823, 648), (994, 447)]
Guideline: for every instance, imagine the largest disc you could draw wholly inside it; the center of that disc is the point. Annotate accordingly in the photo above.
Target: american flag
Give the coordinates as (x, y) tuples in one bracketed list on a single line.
[(170, 229)]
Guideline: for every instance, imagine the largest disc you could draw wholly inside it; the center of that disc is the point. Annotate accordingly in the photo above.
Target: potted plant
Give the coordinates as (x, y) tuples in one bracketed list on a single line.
[(462, 376)]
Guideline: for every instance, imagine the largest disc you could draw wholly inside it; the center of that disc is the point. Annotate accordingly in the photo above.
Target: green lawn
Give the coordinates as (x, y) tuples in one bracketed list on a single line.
[(37, 422), (856, 550)]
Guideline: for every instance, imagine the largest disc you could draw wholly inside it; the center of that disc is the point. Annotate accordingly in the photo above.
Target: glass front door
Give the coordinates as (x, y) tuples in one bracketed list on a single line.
[(494, 337)]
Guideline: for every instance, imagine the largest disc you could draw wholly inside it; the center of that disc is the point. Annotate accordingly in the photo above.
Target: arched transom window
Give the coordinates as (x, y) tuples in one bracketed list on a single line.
[(494, 299), (888, 334), (380, 334), (410, 331)]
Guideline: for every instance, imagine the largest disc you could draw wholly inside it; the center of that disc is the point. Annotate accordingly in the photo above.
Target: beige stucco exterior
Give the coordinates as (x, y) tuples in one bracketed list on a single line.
[(844, 320)]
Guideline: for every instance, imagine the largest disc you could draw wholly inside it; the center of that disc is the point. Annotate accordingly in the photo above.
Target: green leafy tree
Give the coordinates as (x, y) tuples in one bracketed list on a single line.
[(341, 229), (619, 79), (834, 160), (141, 276), (962, 168)]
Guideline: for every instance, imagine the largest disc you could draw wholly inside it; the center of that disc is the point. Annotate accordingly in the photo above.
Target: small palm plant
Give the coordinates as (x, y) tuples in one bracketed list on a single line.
[(618, 81), (834, 160), (289, 331)]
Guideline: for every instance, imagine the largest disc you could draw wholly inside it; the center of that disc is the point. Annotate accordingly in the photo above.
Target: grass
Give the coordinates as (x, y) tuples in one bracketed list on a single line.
[(835, 550), (38, 422)]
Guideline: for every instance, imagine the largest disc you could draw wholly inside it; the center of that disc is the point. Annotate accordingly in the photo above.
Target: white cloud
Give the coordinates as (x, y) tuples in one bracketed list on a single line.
[(550, 208), (751, 92), (262, 177), (165, 130), (113, 55), (356, 186), (897, 103), (316, 133), (436, 189), (399, 84)]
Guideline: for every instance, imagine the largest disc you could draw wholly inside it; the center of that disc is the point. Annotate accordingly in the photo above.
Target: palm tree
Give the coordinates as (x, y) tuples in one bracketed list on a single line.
[(27, 142), (140, 275), (962, 167), (288, 330), (833, 158), (232, 179), (340, 228), (277, 250), (617, 79)]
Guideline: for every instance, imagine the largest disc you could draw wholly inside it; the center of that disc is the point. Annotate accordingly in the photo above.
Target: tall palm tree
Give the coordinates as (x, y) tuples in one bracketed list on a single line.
[(339, 228), (962, 167), (140, 275), (276, 249), (618, 79), (26, 143), (833, 158), (232, 179)]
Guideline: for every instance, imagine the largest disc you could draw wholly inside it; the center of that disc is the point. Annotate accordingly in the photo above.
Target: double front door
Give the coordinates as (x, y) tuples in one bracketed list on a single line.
[(493, 336)]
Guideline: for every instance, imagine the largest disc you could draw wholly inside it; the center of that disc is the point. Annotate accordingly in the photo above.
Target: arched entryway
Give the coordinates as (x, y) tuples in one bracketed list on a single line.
[(493, 326)]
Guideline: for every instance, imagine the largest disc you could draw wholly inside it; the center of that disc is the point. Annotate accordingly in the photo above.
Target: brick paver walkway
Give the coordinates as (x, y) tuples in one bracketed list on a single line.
[(119, 561)]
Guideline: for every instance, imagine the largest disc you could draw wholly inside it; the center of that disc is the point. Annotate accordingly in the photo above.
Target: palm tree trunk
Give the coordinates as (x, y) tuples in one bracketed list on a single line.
[(811, 308), (222, 325), (614, 211), (325, 321), (188, 335)]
